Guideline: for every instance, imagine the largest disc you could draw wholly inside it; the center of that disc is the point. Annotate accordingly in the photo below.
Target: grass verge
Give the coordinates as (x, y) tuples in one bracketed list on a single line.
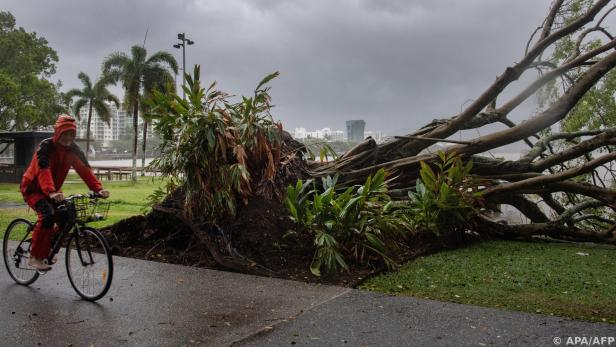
[(127, 199), (571, 280)]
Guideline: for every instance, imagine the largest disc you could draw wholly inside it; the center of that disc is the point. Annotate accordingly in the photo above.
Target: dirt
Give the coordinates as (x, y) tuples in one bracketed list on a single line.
[(260, 232)]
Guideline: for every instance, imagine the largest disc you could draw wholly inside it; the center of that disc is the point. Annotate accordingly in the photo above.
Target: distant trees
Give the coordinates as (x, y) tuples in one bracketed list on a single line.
[(27, 98), (95, 98), (138, 73)]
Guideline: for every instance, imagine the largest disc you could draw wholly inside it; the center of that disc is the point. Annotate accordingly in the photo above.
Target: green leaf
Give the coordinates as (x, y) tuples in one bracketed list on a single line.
[(427, 176), (315, 267), (267, 79), (348, 207)]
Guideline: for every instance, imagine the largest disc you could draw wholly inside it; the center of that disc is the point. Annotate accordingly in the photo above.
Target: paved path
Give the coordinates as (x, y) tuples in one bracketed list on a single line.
[(155, 304), (151, 304), (361, 318), (6, 204)]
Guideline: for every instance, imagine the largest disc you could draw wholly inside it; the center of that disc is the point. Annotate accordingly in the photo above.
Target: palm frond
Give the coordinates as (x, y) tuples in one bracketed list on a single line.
[(73, 93), (112, 98), (138, 54), (103, 81), (79, 104), (103, 110), (85, 79), (157, 77), (116, 59), (163, 57)]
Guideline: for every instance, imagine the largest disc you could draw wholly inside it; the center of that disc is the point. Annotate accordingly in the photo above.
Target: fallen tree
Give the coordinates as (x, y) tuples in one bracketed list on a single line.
[(224, 156), (577, 203)]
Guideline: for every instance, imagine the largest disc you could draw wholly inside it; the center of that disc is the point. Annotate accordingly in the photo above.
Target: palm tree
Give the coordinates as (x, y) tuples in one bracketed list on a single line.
[(96, 97), (133, 71), (157, 78)]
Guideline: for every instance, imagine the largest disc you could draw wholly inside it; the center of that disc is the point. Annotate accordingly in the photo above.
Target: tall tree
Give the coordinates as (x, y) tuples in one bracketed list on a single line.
[(95, 97), (27, 98), (132, 72), (160, 79)]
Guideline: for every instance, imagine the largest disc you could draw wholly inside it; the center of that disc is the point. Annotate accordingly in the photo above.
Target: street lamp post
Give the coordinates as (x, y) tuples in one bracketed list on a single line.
[(183, 42)]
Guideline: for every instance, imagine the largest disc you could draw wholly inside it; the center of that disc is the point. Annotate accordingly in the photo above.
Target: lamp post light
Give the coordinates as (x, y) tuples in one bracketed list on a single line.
[(183, 42)]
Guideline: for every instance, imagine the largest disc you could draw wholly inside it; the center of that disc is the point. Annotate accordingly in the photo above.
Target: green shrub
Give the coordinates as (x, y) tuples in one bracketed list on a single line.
[(218, 151), (445, 199), (356, 223)]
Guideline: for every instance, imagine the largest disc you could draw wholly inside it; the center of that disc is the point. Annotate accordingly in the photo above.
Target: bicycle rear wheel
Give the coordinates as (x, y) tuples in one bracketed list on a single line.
[(16, 251), (89, 264)]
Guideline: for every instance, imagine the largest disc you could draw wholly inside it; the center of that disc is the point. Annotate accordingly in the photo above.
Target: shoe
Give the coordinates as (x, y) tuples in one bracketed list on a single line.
[(38, 264)]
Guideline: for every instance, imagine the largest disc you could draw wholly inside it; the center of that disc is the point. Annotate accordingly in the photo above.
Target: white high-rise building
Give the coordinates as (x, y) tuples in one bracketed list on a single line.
[(120, 121)]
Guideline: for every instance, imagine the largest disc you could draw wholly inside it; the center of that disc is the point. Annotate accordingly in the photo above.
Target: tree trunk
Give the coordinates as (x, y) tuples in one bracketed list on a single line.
[(88, 129), (145, 136), (136, 133)]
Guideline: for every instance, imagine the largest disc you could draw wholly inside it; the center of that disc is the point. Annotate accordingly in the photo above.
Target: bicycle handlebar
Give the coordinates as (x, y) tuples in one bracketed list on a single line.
[(70, 198)]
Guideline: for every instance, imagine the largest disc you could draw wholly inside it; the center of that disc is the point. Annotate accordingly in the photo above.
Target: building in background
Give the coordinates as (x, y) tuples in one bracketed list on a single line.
[(327, 134), (355, 130), (337, 136), (120, 123), (299, 133)]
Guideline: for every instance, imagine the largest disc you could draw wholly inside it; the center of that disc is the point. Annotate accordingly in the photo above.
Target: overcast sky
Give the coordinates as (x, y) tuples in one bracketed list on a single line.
[(396, 63)]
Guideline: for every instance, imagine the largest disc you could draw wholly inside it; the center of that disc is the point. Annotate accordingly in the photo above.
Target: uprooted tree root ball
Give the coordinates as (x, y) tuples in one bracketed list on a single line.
[(257, 234)]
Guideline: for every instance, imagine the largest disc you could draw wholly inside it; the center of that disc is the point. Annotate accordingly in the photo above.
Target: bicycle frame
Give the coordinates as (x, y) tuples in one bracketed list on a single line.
[(59, 240)]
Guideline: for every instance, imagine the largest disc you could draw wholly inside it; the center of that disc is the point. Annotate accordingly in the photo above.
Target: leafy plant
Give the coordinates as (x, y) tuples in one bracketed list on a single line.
[(356, 223), (445, 197), (218, 150), (325, 152)]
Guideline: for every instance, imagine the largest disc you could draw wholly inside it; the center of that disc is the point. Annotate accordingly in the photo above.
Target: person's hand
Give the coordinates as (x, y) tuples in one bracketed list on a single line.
[(57, 197), (103, 193)]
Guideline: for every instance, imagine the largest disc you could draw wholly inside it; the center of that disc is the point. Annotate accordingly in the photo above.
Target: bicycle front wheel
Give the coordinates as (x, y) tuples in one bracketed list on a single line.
[(16, 251), (89, 264)]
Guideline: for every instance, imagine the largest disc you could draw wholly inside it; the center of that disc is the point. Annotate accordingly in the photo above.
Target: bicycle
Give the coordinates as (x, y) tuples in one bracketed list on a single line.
[(88, 258)]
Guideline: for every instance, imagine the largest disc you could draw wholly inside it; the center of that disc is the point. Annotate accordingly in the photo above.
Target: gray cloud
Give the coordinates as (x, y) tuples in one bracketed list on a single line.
[(396, 64)]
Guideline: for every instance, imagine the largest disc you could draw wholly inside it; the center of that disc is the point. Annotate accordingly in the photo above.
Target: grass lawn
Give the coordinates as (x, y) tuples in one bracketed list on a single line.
[(572, 280), (127, 199)]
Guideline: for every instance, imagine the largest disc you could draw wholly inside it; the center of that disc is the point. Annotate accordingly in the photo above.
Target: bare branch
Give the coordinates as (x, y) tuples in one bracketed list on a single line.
[(550, 201), (595, 217), (553, 114), (597, 27), (429, 139), (530, 39), (551, 229), (522, 204), (567, 216), (546, 179), (549, 20), (583, 148), (541, 145)]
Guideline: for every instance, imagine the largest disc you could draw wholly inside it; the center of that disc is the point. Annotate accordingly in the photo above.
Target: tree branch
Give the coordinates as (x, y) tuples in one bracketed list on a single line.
[(546, 179)]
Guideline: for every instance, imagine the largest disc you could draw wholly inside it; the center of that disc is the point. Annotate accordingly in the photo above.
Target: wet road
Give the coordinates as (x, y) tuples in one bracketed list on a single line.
[(156, 304), (151, 304)]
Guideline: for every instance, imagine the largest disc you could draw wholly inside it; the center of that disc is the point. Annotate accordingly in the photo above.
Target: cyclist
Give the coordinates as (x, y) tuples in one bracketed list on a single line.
[(42, 182)]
